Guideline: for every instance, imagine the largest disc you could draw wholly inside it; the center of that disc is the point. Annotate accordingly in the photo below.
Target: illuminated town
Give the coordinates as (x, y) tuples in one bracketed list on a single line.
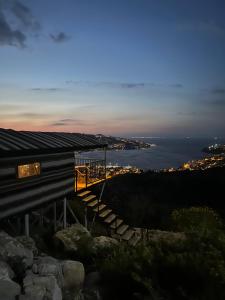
[(205, 163)]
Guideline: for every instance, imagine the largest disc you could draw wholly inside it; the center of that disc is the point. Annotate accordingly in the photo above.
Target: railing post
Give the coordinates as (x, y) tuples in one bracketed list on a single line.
[(105, 161), (86, 175)]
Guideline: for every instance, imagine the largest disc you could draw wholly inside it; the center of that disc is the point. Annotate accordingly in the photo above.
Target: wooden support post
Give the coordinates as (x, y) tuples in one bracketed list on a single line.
[(41, 221), (19, 225), (54, 216), (27, 229), (64, 212)]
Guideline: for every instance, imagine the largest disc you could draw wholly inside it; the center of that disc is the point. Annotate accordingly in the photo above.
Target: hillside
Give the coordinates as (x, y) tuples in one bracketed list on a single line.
[(146, 200)]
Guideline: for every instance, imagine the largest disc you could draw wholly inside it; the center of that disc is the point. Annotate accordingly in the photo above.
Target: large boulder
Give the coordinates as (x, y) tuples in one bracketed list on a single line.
[(38, 287), (69, 276), (73, 274), (75, 239), (6, 271), (48, 266), (8, 288), (104, 243), (14, 253), (28, 243)]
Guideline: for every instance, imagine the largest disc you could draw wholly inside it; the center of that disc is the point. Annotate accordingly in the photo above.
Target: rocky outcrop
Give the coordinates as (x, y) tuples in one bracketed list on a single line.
[(14, 253), (28, 243), (69, 275), (73, 275), (166, 236), (43, 277), (74, 239), (48, 266), (37, 287), (8, 288), (104, 243)]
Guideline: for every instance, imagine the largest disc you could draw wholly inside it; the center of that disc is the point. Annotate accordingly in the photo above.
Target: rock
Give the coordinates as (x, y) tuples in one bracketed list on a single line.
[(8, 288), (14, 253), (75, 239), (104, 242), (38, 287), (28, 243), (6, 271), (165, 236), (48, 266), (73, 274)]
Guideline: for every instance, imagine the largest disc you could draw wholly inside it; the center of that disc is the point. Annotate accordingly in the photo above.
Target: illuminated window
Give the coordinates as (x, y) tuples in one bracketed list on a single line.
[(28, 170)]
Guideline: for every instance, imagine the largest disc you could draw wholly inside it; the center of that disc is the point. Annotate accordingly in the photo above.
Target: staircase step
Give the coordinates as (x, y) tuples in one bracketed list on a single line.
[(128, 235), (134, 240), (89, 198), (84, 193), (92, 203), (110, 218), (105, 213), (101, 207), (122, 229), (116, 223)]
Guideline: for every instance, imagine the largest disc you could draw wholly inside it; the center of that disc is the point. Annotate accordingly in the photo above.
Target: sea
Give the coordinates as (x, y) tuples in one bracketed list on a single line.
[(164, 153)]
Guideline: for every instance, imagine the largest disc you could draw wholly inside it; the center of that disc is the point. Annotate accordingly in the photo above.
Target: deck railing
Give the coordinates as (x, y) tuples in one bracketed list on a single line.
[(88, 172)]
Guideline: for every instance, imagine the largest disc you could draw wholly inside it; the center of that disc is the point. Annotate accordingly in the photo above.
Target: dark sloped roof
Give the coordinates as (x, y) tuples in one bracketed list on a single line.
[(31, 142)]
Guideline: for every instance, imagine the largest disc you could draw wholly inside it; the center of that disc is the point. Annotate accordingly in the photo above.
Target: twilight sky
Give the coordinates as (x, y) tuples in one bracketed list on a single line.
[(120, 67)]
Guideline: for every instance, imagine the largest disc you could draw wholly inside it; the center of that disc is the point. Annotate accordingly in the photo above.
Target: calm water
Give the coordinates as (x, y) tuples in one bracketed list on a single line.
[(167, 153)]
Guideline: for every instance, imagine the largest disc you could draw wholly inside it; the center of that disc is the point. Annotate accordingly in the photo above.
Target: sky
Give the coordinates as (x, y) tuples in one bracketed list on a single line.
[(116, 67)]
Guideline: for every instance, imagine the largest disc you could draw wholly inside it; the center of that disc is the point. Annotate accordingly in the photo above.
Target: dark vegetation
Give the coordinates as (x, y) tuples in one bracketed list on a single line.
[(147, 200), (189, 268)]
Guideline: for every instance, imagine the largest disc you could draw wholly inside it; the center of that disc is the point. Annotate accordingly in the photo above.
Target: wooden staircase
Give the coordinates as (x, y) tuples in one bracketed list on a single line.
[(114, 223)]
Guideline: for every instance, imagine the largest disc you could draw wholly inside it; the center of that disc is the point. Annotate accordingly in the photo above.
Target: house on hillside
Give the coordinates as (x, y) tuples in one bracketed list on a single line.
[(37, 168)]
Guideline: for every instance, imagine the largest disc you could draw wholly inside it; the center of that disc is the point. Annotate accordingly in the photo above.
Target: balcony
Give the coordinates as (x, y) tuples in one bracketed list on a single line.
[(89, 172)]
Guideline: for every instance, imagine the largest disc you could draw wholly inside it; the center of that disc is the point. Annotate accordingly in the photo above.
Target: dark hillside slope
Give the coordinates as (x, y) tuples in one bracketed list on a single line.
[(148, 199)]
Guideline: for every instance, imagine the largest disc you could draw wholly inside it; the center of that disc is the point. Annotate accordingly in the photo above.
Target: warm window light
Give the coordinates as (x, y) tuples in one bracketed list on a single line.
[(28, 170)]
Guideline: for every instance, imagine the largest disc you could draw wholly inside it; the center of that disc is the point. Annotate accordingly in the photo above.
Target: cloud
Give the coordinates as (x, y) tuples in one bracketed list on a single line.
[(8, 36), (59, 124), (131, 85), (25, 16), (31, 115), (220, 91), (46, 89), (22, 15), (60, 37), (176, 85), (123, 85), (68, 122)]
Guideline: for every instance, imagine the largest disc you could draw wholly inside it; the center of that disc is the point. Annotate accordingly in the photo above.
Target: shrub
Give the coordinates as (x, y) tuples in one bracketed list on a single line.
[(185, 269), (201, 220)]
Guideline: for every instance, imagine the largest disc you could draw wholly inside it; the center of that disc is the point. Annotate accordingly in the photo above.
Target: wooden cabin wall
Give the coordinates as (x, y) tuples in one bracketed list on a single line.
[(55, 181)]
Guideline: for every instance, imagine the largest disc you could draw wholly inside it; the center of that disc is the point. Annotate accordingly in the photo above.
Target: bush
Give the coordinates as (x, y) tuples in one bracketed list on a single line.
[(184, 269), (201, 220)]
